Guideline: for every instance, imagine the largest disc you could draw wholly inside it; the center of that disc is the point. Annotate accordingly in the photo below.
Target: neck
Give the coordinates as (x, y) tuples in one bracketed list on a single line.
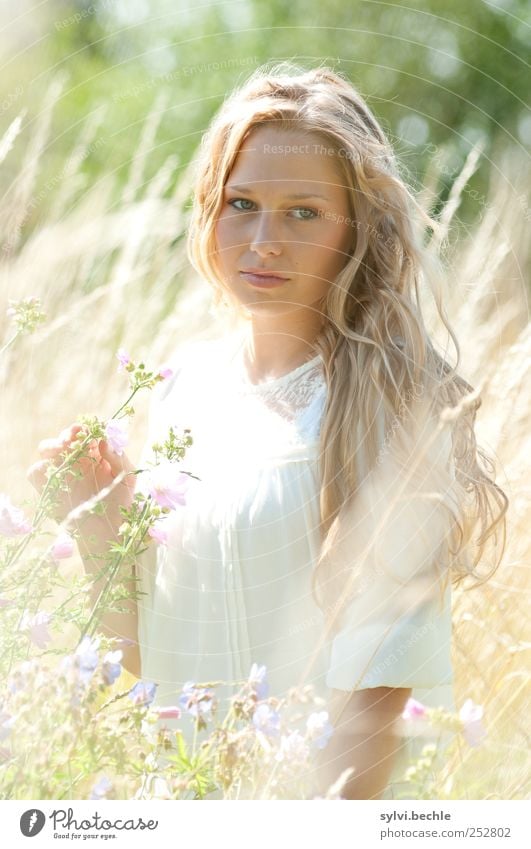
[(273, 347)]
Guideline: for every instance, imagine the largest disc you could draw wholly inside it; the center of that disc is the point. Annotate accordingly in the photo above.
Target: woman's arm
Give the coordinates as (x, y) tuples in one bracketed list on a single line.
[(95, 536), (365, 738)]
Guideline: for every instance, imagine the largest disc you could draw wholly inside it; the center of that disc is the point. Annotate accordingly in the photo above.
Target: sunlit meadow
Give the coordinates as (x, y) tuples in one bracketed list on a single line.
[(89, 268)]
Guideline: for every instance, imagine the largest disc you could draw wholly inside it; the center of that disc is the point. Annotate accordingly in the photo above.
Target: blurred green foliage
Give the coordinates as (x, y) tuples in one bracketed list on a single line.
[(436, 74)]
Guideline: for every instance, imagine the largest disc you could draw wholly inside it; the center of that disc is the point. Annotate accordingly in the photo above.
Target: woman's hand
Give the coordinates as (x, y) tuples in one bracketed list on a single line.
[(98, 465)]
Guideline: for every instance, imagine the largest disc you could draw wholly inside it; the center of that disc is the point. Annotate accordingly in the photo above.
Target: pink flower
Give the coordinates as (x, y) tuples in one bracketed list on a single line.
[(5, 602), (124, 359), (165, 372), (172, 712), (63, 547), (12, 520), (167, 485), (38, 627), (158, 533), (413, 710), (473, 728), (116, 435)]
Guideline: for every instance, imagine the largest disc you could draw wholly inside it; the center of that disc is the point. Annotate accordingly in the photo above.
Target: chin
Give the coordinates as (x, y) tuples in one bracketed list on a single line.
[(268, 307)]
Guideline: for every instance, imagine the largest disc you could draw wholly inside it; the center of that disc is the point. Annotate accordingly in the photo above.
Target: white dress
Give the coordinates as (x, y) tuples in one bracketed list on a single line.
[(232, 586)]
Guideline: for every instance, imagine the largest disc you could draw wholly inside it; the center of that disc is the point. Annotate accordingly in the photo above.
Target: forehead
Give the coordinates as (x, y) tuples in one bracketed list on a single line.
[(277, 161)]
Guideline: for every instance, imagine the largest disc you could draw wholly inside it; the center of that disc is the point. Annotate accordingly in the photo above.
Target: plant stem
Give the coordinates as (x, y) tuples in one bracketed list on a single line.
[(114, 569)]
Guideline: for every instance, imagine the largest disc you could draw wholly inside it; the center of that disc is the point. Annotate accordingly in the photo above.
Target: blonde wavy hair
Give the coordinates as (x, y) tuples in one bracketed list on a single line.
[(379, 360)]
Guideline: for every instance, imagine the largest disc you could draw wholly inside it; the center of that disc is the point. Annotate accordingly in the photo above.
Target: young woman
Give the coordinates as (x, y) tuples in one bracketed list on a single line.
[(339, 491)]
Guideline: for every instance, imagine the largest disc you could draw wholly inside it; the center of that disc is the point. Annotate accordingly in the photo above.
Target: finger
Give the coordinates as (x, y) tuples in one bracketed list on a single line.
[(50, 448), (36, 474), (53, 446), (78, 433), (105, 468), (69, 433), (87, 465), (117, 463), (72, 437), (93, 451)]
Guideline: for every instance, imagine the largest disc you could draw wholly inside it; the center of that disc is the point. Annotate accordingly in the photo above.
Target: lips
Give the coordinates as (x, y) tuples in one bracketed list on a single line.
[(263, 279)]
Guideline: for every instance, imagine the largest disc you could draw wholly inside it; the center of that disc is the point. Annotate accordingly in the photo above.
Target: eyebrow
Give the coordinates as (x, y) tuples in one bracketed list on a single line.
[(297, 196)]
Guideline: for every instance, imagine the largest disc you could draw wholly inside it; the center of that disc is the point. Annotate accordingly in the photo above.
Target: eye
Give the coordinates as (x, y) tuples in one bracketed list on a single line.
[(313, 213), (240, 200)]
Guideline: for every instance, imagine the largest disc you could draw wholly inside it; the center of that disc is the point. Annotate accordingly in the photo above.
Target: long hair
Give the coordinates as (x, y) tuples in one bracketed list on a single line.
[(385, 379)]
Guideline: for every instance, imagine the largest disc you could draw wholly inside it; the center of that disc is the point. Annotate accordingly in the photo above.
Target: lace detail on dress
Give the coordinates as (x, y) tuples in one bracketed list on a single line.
[(274, 414), (296, 399), (289, 395)]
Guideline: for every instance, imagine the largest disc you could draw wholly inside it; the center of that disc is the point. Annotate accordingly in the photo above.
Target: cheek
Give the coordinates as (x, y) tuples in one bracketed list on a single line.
[(224, 231), (342, 242), (223, 241), (331, 243)]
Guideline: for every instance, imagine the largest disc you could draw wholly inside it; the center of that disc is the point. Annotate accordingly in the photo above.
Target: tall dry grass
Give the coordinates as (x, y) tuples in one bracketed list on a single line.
[(487, 300), (110, 268)]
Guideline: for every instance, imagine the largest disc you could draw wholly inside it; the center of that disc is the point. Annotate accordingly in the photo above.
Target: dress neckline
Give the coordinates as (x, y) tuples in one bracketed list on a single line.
[(284, 378), (273, 381)]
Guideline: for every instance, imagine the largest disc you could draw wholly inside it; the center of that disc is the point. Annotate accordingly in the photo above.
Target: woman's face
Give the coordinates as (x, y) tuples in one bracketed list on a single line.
[(264, 225)]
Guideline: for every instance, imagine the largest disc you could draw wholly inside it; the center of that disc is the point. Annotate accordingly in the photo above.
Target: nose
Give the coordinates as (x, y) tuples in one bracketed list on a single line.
[(263, 240)]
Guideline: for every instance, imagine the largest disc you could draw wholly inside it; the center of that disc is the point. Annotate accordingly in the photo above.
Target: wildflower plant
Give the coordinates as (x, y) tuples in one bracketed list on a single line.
[(25, 315), (45, 693), (28, 568), (260, 749), (71, 727), (424, 777)]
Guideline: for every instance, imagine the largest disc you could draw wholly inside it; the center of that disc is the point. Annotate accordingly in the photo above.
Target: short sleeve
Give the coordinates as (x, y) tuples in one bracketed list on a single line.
[(384, 650), (396, 630)]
